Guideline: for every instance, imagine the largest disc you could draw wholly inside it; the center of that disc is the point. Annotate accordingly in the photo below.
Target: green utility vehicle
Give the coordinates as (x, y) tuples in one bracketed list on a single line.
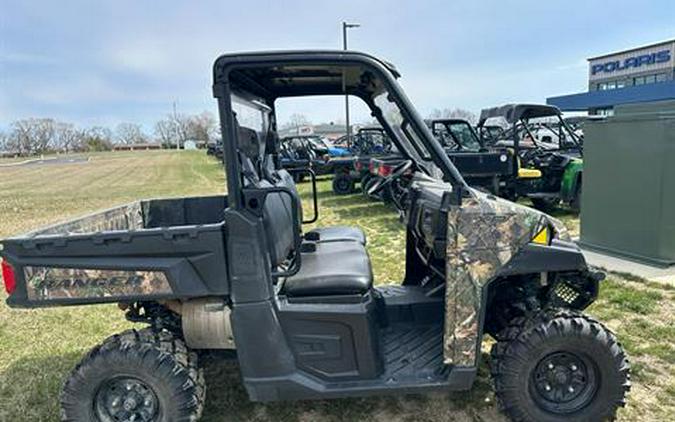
[(549, 167)]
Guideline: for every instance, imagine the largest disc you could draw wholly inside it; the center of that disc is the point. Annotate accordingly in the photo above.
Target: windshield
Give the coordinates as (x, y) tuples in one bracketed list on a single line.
[(326, 142), (466, 137), (409, 139)]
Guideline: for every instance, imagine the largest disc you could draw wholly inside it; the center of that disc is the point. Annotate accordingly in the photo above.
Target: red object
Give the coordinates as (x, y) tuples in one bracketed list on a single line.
[(8, 277), (385, 170)]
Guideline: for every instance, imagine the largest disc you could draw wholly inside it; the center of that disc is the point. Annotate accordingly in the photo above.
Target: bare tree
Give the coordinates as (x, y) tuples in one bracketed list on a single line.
[(164, 130), (202, 127), (4, 141), (98, 138), (44, 134), (175, 129), (129, 134), (181, 126), (68, 138), (456, 113), (295, 121), (32, 136)]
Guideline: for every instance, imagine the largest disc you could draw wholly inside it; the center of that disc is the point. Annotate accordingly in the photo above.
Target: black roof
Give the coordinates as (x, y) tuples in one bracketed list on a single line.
[(272, 74), (449, 121), (514, 112)]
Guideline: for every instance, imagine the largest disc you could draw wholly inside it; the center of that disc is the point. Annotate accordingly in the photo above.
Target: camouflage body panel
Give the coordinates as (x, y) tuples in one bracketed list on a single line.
[(483, 235), (46, 283), (124, 217)]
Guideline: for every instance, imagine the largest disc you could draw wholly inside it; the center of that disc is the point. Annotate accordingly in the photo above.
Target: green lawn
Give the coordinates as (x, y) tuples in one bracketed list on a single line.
[(39, 347)]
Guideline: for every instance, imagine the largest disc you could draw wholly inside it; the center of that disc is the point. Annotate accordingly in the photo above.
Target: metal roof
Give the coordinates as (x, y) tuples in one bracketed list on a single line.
[(631, 49), (611, 97), (514, 112)]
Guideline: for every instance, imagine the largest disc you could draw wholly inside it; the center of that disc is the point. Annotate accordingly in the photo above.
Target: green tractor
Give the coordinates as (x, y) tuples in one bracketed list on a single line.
[(549, 164)]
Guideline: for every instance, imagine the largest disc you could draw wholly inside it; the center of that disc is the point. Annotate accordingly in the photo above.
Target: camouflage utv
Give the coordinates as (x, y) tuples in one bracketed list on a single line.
[(301, 308)]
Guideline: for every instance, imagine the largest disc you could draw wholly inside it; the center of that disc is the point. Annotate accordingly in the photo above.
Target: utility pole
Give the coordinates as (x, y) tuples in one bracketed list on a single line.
[(175, 122), (345, 27)]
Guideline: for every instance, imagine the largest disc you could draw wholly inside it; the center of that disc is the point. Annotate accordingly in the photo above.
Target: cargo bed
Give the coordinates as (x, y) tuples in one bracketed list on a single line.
[(145, 250)]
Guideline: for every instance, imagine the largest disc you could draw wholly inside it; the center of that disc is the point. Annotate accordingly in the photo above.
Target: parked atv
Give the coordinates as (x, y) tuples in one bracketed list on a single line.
[(549, 166), (370, 141), (483, 166), (302, 309), (380, 170), (487, 169), (215, 148), (304, 151), (490, 134)]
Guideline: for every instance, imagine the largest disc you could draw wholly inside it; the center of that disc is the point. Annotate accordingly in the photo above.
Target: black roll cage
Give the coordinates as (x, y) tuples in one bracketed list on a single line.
[(516, 114), (447, 122), (223, 87)]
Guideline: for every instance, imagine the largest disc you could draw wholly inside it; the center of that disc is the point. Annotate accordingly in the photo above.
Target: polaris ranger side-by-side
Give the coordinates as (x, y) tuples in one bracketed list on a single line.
[(301, 309)]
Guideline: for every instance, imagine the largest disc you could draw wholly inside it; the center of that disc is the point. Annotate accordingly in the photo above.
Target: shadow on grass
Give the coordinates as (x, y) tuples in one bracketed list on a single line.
[(226, 397), (30, 387), (34, 386)]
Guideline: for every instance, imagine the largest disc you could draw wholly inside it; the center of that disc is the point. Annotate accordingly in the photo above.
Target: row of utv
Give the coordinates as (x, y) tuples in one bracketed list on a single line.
[(516, 151)]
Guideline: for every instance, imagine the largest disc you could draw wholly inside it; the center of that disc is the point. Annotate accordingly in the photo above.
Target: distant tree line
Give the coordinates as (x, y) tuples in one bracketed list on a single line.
[(34, 136)]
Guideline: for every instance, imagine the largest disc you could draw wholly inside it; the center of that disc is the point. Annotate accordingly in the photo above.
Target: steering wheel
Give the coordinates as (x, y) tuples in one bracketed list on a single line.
[(396, 172), (530, 154)]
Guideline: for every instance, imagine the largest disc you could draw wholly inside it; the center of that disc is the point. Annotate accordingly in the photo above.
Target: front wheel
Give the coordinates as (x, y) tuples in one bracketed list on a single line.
[(135, 376), (559, 366), (575, 203), (364, 182), (343, 184)]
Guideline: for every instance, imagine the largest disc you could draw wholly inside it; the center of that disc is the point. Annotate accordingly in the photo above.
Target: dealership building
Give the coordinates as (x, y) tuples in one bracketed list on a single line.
[(638, 75)]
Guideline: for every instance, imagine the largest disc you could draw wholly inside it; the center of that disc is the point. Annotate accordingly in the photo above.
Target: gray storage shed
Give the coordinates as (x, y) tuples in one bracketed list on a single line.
[(628, 195)]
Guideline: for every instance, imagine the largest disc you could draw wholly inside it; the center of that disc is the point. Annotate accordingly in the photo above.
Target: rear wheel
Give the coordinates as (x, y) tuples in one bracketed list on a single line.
[(298, 177), (559, 365), (371, 182), (135, 376), (343, 184)]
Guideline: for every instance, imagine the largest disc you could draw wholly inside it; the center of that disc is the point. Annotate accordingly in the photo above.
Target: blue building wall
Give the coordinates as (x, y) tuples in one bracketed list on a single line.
[(612, 97)]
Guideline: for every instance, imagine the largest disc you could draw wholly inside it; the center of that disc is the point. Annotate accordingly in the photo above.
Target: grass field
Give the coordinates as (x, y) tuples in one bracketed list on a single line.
[(39, 347)]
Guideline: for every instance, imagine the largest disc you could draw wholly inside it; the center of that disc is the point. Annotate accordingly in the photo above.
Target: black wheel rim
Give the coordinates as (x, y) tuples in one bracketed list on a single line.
[(343, 185), (564, 382), (126, 399)]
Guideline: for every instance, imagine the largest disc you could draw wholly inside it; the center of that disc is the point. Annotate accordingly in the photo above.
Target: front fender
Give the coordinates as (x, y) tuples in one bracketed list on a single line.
[(571, 178), (557, 257), (485, 237)]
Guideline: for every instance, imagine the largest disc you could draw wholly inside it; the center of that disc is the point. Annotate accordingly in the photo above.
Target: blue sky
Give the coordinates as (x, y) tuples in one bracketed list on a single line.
[(105, 62)]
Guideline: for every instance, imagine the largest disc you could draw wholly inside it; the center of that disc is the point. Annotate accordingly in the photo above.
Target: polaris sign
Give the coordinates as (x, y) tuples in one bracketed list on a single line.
[(631, 62)]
